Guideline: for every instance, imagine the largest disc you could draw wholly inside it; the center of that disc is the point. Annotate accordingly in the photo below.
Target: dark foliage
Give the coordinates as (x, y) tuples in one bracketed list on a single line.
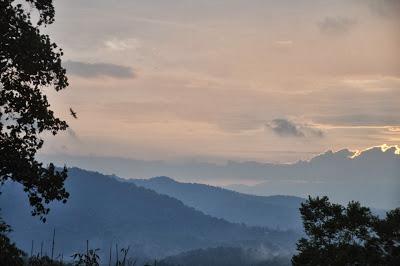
[(338, 235), (9, 253), (29, 62), (44, 261), (91, 258)]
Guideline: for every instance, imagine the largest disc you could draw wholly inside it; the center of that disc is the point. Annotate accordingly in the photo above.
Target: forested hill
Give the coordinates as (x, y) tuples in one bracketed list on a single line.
[(104, 210), (271, 211)]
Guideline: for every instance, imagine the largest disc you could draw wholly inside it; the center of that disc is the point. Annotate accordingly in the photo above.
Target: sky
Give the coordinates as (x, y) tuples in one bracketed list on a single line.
[(217, 80)]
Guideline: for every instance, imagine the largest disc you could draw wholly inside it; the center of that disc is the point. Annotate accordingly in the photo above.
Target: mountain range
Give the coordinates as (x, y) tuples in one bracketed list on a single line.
[(106, 211), (273, 211), (371, 176)]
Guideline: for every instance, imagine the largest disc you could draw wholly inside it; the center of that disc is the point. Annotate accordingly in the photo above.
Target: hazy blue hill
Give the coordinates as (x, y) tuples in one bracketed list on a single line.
[(271, 211), (102, 209), (371, 177), (337, 174)]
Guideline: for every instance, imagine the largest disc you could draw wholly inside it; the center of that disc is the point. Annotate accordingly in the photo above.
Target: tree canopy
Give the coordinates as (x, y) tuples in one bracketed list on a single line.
[(9, 253), (29, 62), (351, 235)]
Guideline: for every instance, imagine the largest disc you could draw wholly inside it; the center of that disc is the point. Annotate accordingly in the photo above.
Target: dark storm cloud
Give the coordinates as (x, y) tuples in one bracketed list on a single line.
[(336, 25), (286, 128), (91, 70)]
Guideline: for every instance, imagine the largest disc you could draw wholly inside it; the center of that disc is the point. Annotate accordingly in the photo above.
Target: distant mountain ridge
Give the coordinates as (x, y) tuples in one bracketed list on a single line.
[(104, 210), (371, 176), (274, 211)]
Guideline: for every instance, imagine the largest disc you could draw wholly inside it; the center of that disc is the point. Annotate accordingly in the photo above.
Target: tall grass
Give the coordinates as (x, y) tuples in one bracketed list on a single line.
[(90, 257)]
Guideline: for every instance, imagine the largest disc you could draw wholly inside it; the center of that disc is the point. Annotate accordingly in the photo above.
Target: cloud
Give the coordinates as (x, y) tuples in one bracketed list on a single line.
[(385, 8), (122, 44), (336, 25), (283, 43), (72, 134), (359, 120), (91, 70), (286, 128)]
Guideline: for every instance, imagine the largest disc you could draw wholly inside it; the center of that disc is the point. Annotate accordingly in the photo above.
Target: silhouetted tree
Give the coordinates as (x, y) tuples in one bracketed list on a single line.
[(352, 235), (29, 62), (9, 253)]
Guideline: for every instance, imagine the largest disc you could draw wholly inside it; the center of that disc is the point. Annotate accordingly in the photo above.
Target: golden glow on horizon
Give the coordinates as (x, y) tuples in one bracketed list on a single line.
[(383, 147)]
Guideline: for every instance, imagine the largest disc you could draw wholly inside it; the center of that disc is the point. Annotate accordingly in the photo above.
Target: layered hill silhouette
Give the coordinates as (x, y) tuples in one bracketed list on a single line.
[(371, 176), (103, 210), (274, 211)]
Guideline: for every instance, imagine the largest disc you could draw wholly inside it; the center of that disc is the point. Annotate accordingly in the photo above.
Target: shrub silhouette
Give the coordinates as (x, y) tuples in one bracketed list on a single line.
[(9, 253), (43, 261), (89, 259), (351, 235)]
